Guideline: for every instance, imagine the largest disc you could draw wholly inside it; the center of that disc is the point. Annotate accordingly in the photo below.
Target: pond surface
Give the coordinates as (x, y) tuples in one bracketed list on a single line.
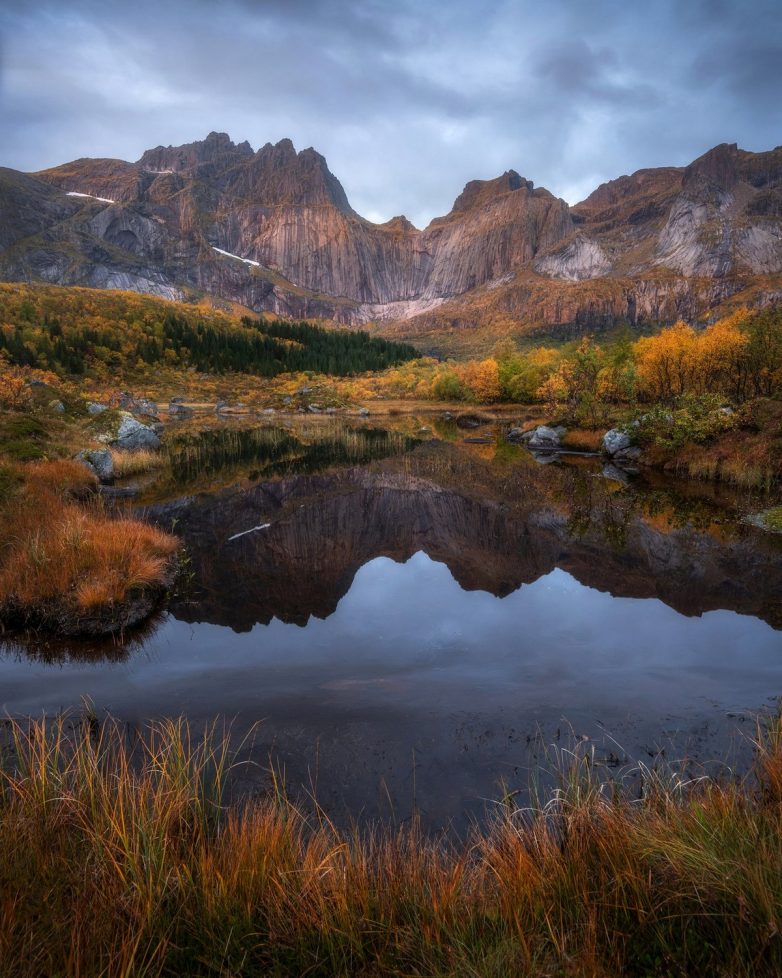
[(406, 620)]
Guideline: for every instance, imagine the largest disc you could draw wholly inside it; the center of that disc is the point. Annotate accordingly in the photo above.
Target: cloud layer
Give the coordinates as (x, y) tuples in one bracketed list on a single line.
[(407, 99)]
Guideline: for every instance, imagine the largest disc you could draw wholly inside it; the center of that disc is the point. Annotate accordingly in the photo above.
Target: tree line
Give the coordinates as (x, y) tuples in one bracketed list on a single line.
[(84, 334)]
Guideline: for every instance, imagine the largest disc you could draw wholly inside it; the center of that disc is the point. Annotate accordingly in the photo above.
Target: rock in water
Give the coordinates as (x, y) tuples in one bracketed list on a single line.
[(542, 437), (177, 409), (615, 441), (138, 405)]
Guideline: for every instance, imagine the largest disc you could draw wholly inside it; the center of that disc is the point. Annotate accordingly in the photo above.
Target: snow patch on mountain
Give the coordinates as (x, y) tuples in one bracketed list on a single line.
[(228, 254), (74, 193)]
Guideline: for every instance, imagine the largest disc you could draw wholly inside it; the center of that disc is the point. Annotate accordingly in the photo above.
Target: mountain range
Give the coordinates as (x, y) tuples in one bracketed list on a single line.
[(274, 230)]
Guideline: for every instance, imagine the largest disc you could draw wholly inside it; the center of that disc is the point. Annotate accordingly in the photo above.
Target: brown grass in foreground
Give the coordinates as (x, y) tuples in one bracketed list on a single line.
[(64, 477), (123, 861), (55, 550)]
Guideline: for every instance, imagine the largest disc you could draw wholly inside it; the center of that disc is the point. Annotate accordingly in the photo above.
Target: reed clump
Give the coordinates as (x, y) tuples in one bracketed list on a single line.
[(120, 857), (137, 462)]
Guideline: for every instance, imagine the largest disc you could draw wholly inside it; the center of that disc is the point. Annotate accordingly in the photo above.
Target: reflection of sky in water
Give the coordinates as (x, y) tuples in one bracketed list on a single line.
[(407, 638)]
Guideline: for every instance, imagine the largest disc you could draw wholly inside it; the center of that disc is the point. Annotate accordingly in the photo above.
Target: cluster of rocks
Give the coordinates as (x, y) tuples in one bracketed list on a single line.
[(542, 438), (617, 443), (138, 405), (120, 431)]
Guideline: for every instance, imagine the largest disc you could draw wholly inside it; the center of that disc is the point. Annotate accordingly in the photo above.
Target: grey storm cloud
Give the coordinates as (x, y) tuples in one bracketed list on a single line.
[(407, 99)]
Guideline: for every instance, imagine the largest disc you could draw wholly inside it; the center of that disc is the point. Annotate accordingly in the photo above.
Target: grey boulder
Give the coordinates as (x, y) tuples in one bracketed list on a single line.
[(132, 435), (177, 409), (631, 454), (542, 437), (138, 405), (100, 461), (615, 441)]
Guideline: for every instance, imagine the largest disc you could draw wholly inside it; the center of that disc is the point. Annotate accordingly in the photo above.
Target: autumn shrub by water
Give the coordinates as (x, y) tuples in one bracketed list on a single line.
[(120, 857)]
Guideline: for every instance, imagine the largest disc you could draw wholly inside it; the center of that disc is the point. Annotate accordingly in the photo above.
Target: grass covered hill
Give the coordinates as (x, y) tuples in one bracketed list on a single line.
[(87, 332)]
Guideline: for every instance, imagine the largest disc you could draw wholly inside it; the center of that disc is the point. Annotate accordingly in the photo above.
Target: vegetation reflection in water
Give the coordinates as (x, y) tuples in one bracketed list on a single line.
[(268, 451)]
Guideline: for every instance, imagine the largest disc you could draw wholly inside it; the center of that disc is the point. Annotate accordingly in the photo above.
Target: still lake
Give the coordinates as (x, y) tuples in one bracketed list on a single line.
[(398, 618)]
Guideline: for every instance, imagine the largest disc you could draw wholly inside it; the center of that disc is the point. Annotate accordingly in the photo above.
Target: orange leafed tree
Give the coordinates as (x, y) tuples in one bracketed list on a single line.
[(681, 360), (483, 380)]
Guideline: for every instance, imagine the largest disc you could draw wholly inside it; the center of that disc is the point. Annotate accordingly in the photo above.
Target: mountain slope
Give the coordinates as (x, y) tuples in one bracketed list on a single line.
[(273, 230)]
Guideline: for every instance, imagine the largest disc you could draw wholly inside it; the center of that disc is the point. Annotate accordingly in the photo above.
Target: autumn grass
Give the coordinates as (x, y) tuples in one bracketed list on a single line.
[(583, 439), (60, 556), (744, 459), (63, 477), (136, 463), (120, 857)]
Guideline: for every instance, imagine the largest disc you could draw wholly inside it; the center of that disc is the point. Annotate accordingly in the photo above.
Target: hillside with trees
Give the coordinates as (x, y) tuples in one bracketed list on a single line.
[(84, 332)]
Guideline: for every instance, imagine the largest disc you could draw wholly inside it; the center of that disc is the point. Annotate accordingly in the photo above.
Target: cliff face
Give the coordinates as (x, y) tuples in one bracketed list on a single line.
[(273, 229)]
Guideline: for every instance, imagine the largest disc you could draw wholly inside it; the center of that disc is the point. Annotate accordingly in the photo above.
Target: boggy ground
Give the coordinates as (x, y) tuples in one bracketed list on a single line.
[(67, 563)]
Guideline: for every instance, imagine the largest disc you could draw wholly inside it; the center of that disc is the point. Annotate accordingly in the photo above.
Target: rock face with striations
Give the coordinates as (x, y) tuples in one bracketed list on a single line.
[(274, 230)]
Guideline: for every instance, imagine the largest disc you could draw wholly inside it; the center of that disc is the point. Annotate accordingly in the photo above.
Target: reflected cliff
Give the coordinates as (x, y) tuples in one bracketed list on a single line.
[(496, 529)]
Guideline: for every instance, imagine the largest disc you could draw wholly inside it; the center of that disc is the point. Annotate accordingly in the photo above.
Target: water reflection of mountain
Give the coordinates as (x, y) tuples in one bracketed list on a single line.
[(323, 528)]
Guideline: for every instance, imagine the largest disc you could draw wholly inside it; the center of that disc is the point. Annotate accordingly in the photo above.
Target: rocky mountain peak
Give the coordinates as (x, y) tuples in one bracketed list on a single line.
[(478, 192), (283, 151), (277, 175), (217, 145), (273, 229), (639, 185), (718, 169), (399, 225)]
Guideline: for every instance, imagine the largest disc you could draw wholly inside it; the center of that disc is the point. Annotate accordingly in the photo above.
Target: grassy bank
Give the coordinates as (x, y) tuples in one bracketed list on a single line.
[(122, 860), (65, 561)]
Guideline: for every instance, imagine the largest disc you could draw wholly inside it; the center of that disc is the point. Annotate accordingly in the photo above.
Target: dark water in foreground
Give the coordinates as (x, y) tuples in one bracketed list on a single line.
[(421, 620)]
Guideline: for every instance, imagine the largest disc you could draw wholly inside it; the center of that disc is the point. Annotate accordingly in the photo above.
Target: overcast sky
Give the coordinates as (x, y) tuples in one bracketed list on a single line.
[(406, 99)]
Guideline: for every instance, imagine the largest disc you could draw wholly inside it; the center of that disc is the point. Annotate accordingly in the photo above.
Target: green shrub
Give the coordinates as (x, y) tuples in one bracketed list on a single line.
[(694, 419), (23, 437)]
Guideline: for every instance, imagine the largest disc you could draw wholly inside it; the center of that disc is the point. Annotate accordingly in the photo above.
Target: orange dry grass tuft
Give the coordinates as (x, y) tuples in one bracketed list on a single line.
[(65, 476), (60, 551), (739, 458), (583, 440), (134, 463)]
